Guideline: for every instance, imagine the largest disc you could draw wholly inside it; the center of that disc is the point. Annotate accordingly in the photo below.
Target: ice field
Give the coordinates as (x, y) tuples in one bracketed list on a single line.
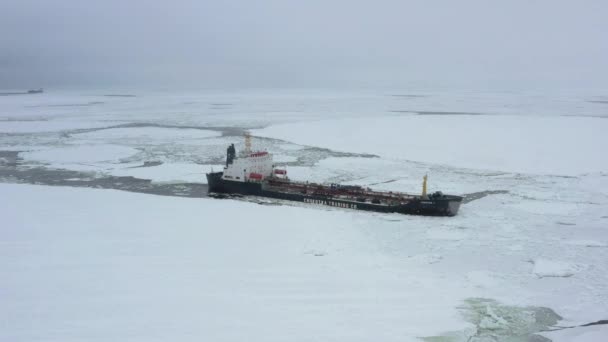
[(100, 257)]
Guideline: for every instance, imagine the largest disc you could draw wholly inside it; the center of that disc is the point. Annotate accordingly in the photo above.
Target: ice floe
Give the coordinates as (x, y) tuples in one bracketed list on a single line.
[(426, 258), (149, 134), (579, 334), (47, 126), (205, 265), (551, 268), (588, 243), (535, 144), (74, 154)]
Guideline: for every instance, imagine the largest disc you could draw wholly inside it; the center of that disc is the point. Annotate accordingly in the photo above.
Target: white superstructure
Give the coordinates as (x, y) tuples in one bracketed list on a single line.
[(254, 166)]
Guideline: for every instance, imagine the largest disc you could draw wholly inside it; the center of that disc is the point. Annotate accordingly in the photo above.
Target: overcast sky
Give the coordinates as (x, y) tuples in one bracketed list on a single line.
[(305, 43)]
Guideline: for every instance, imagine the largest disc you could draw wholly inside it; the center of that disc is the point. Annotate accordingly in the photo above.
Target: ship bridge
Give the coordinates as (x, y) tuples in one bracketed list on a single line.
[(249, 165)]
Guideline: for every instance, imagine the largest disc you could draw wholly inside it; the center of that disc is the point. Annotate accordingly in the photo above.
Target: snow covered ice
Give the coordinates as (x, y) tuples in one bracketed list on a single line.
[(548, 268), (526, 254)]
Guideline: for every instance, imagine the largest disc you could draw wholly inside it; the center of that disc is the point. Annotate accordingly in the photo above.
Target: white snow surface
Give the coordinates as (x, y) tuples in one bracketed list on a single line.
[(583, 334), (278, 158), (104, 265), (552, 268), (119, 266), (588, 243), (530, 144)]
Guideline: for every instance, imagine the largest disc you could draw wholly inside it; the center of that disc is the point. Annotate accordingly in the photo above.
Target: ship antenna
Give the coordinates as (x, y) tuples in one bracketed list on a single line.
[(247, 143), (424, 186)]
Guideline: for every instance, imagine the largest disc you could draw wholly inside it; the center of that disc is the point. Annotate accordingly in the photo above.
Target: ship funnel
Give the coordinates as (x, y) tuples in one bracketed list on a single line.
[(230, 154)]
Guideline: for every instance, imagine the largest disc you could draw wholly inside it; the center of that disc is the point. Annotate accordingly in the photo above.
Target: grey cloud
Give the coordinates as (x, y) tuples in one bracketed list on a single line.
[(304, 43)]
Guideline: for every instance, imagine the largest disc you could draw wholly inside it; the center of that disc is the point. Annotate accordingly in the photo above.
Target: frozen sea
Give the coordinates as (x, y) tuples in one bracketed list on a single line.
[(90, 251)]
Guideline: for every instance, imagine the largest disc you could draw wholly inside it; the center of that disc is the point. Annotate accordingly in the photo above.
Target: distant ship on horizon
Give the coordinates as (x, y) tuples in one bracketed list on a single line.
[(31, 91)]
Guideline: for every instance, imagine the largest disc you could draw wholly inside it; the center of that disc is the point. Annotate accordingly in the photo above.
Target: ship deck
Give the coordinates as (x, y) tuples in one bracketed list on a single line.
[(350, 193)]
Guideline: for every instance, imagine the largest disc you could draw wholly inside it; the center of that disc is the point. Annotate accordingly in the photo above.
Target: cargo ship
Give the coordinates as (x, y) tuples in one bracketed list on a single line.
[(254, 174)]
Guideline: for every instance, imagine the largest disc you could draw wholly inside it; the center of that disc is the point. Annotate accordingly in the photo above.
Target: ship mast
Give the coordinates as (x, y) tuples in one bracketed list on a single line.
[(247, 143), (424, 187)]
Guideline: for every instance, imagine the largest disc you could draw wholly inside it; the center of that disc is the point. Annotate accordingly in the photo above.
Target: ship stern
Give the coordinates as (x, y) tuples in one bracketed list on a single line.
[(214, 181)]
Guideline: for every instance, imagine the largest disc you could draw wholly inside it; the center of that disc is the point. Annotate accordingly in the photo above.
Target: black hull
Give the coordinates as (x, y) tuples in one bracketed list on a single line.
[(445, 206)]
